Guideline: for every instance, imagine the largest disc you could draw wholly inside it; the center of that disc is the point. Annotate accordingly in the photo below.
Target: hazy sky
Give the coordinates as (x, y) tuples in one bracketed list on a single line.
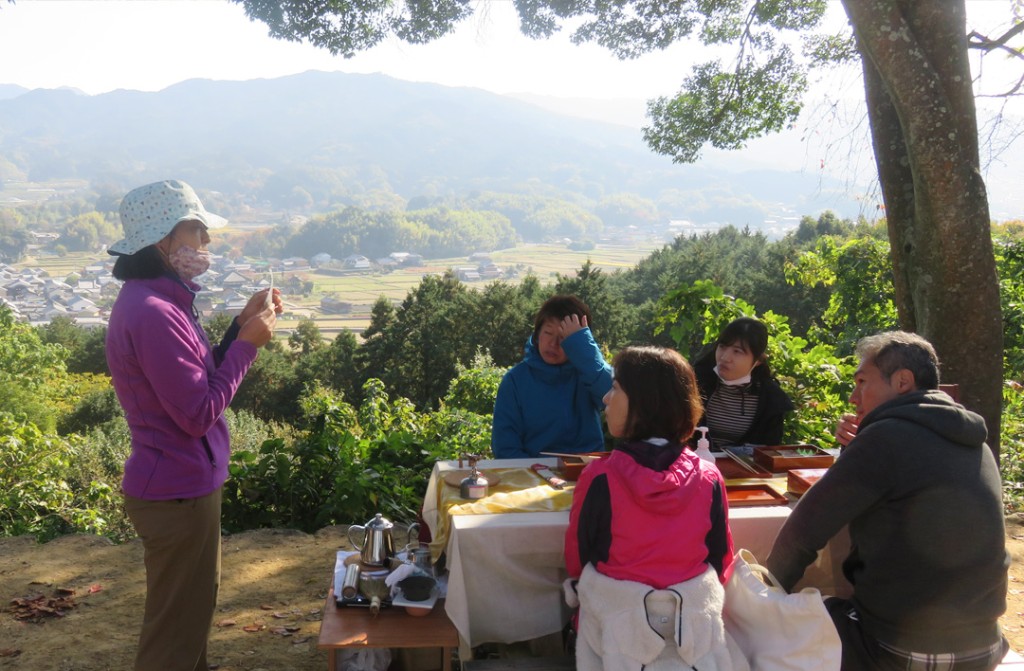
[(147, 45), (99, 46)]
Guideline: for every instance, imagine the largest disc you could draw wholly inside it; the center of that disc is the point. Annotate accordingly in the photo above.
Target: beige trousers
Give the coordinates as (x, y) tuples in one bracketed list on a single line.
[(181, 539)]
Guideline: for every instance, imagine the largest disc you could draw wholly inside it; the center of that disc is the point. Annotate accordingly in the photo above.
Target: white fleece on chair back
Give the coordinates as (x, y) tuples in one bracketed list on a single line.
[(625, 625)]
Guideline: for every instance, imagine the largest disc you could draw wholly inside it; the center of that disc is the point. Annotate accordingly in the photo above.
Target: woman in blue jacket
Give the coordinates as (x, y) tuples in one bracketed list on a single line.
[(551, 400)]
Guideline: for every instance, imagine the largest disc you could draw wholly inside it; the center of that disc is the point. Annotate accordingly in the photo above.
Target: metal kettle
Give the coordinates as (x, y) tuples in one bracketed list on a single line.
[(377, 545)]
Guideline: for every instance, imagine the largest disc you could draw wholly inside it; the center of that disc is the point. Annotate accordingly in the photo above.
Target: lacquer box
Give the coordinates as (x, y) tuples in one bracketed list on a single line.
[(782, 458)]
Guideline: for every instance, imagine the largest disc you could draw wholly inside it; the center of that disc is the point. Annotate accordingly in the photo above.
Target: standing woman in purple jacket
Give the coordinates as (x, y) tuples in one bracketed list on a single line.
[(174, 387)]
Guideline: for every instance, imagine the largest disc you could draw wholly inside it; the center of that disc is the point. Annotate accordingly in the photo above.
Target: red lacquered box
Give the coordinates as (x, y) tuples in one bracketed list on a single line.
[(799, 480), (571, 465)]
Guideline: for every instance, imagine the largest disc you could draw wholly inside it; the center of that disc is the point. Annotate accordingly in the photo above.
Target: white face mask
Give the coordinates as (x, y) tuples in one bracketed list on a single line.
[(733, 383), (189, 262)]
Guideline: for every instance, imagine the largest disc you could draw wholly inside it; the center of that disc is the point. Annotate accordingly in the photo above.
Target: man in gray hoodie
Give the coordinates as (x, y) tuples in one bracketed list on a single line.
[(920, 491)]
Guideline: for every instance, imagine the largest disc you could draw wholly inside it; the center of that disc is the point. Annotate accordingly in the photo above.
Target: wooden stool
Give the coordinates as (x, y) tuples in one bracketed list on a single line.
[(391, 628)]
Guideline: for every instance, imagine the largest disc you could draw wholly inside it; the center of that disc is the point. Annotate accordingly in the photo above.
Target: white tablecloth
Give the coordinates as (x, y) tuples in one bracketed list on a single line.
[(505, 571)]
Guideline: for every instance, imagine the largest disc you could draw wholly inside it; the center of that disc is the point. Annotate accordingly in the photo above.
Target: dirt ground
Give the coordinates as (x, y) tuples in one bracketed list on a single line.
[(273, 589)]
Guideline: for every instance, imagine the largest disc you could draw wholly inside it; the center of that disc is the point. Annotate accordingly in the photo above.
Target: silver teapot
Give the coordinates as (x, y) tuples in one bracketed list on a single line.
[(377, 545)]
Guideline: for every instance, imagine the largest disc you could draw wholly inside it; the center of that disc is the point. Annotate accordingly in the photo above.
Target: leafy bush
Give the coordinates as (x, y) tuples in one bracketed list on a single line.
[(95, 408), (475, 388), (349, 463), (451, 432), (1011, 457), (248, 432), (35, 497), (322, 478), (96, 461), (101, 453), (1010, 263), (859, 275), (33, 377)]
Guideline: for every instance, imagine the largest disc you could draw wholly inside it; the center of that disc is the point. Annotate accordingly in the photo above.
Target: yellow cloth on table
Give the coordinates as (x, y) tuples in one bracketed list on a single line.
[(519, 490)]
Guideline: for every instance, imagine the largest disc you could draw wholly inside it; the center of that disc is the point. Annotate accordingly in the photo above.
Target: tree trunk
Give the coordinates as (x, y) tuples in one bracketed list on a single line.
[(897, 187), (921, 106)]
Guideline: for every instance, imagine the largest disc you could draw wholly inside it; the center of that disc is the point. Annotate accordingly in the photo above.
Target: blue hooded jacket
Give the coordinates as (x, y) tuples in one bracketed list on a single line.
[(545, 408)]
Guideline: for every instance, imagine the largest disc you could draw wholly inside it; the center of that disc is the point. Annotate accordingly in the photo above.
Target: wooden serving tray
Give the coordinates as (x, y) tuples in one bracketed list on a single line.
[(753, 495), (783, 458), (731, 470), (799, 480), (743, 456)]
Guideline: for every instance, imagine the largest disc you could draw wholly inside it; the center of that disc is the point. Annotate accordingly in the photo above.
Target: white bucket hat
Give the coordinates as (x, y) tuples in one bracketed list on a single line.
[(149, 213)]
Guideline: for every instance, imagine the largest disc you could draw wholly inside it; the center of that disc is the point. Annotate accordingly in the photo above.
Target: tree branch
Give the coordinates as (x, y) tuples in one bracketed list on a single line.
[(976, 40)]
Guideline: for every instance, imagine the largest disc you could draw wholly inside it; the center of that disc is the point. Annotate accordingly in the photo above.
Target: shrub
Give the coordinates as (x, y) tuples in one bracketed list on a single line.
[(1011, 457), (35, 498), (349, 463), (95, 408), (475, 388)]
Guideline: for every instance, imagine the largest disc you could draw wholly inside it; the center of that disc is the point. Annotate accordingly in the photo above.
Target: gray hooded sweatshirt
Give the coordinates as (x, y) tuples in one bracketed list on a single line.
[(921, 493)]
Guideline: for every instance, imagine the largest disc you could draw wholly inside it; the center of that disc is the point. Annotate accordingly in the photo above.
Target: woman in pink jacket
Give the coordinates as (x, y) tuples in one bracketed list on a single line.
[(650, 522), (174, 387)]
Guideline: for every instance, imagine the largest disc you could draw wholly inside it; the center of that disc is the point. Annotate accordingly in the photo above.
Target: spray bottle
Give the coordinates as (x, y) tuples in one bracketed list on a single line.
[(704, 445)]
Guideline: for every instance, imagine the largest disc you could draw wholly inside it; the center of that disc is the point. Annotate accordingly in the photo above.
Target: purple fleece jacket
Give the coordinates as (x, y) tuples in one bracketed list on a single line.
[(172, 390)]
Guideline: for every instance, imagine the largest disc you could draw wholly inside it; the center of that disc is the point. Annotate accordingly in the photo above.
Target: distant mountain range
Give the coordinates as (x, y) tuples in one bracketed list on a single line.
[(11, 91), (347, 138)]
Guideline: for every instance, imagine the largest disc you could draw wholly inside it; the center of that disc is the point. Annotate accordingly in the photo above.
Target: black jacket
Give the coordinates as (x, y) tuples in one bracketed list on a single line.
[(772, 404)]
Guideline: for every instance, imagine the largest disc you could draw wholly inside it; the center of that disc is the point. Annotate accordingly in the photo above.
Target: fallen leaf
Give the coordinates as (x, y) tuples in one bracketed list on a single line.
[(65, 591), (254, 627), (10, 652), (95, 588), (226, 623), (281, 616), (34, 608), (264, 606), (296, 641), (280, 631)]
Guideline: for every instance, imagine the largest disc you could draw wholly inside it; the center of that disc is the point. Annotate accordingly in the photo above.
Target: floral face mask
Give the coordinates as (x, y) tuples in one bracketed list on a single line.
[(189, 262)]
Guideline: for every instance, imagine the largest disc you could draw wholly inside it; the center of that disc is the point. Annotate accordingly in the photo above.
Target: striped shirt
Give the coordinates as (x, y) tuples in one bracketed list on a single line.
[(729, 413)]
